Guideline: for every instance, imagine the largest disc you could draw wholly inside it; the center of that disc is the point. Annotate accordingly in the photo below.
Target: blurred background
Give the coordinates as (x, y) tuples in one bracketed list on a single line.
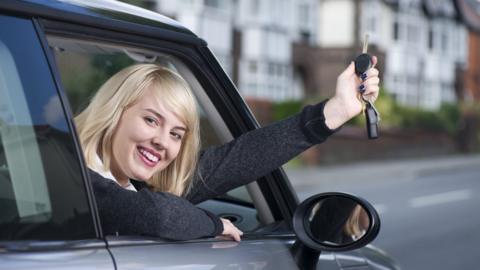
[(423, 173)]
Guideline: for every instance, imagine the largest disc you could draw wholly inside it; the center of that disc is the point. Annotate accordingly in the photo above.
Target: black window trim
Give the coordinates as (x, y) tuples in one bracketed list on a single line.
[(131, 26)]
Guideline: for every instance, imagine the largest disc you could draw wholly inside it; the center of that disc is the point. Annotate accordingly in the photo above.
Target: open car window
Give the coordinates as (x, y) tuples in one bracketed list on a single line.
[(85, 65)]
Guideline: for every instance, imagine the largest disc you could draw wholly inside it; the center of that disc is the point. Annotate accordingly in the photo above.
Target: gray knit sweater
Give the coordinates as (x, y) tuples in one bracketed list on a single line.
[(221, 168)]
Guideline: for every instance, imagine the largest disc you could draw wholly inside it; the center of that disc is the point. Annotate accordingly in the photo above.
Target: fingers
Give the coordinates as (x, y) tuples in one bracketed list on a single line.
[(374, 61), (372, 94), (230, 230), (371, 72), (369, 87)]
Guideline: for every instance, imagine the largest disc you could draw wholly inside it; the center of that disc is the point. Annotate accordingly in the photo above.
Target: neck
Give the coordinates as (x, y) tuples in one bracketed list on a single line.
[(121, 180)]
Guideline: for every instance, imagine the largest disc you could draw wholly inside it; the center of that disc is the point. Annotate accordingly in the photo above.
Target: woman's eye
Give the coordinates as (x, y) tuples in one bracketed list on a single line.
[(150, 120), (176, 135)]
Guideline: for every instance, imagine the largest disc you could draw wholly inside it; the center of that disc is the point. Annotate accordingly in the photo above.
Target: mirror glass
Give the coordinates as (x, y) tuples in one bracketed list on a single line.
[(337, 221)]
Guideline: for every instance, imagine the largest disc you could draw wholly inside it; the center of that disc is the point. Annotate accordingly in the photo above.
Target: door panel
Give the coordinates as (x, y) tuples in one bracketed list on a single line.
[(252, 254), (69, 260)]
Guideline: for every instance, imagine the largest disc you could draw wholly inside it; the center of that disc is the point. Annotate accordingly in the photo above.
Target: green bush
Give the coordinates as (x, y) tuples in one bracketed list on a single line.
[(82, 82), (414, 118), (282, 110), (387, 108), (452, 115), (394, 115)]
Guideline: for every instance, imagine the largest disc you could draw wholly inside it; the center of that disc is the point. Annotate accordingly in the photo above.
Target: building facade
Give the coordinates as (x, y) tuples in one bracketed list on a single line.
[(279, 50), (428, 47), (470, 12), (252, 39), (422, 45)]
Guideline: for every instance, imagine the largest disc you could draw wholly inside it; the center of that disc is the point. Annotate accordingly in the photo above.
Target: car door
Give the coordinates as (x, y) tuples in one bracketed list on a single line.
[(257, 208), (83, 47), (46, 218)]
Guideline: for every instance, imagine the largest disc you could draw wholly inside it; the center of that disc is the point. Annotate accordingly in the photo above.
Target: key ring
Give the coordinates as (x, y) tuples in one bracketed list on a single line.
[(365, 99), (362, 101)]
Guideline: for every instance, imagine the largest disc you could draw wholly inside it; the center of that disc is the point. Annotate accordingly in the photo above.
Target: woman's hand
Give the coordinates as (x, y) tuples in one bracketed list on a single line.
[(345, 104), (230, 230)]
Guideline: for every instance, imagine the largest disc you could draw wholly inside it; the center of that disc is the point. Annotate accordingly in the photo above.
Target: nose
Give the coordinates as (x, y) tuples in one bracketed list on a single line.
[(159, 141)]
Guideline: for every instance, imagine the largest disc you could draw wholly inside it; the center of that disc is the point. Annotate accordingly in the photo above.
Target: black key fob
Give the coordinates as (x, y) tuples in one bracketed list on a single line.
[(372, 121), (362, 63)]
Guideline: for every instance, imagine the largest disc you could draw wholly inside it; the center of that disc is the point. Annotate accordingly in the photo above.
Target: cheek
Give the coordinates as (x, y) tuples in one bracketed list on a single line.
[(121, 145), (125, 139), (138, 130), (174, 151)]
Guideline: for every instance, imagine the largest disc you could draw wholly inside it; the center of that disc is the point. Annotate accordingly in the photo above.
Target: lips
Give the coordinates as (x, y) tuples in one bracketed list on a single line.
[(149, 157)]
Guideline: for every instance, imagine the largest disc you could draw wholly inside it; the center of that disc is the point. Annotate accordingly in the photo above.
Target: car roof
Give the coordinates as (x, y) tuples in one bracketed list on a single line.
[(94, 12)]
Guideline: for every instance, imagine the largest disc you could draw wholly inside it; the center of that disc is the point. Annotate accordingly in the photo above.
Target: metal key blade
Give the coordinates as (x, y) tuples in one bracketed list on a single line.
[(365, 44)]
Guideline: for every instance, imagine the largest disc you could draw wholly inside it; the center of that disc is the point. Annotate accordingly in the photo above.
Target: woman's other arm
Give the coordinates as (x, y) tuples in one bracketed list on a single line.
[(258, 152)]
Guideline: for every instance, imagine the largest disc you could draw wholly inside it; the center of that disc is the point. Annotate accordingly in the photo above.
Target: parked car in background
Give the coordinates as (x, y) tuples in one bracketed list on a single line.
[(53, 57)]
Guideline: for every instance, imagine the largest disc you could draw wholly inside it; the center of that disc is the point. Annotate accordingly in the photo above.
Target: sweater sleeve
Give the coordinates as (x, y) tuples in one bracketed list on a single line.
[(150, 213), (257, 152)]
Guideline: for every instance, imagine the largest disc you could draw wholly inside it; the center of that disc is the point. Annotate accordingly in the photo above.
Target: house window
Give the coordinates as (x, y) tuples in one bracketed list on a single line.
[(271, 69), (395, 31), (303, 15), (254, 7), (430, 39), (444, 42), (412, 34), (252, 67), (212, 3)]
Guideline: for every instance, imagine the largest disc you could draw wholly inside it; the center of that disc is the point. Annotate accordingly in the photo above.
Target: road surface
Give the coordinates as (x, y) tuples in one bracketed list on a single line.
[(429, 208)]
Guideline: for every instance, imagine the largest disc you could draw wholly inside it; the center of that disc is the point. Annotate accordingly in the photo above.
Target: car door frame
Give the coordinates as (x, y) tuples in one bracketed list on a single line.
[(232, 109), (195, 54)]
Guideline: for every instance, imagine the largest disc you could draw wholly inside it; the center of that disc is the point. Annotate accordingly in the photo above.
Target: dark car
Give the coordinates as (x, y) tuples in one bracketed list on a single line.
[(53, 56)]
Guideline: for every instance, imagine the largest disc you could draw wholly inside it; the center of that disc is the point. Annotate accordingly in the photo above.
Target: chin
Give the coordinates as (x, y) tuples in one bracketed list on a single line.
[(142, 177)]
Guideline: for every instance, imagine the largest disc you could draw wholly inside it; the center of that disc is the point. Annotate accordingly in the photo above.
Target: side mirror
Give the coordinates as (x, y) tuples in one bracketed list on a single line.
[(332, 222)]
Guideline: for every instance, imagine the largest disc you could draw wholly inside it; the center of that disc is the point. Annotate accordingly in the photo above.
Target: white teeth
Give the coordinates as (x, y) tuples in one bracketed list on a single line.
[(149, 156)]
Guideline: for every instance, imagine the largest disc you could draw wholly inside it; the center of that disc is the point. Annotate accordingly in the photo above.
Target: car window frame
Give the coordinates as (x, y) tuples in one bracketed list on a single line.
[(195, 54)]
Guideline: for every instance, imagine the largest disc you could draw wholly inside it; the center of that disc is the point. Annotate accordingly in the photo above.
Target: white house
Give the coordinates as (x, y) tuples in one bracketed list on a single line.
[(264, 31), (212, 20), (423, 41)]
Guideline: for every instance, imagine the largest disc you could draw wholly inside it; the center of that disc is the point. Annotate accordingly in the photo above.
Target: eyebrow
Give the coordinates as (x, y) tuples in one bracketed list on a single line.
[(158, 115)]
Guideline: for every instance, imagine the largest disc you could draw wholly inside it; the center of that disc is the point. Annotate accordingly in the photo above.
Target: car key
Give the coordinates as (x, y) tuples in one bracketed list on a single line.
[(362, 63), (373, 117)]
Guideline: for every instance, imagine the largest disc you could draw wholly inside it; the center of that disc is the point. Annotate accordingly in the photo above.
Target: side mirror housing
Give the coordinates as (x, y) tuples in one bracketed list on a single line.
[(332, 222)]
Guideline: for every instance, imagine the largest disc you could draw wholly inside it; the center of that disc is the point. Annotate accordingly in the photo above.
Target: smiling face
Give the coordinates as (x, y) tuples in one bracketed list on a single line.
[(147, 139)]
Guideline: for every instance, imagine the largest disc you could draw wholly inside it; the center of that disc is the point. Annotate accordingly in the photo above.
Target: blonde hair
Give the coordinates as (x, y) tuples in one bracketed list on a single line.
[(353, 226), (97, 124)]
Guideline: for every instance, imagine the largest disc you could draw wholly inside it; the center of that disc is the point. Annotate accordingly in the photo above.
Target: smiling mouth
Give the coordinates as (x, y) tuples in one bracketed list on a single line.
[(151, 159)]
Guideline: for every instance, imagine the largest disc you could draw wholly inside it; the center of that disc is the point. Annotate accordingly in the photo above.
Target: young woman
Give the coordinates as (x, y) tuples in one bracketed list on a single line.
[(143, 125)]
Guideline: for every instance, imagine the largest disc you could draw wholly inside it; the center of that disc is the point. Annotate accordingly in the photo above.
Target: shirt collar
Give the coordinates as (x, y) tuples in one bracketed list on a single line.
[(98, 168)]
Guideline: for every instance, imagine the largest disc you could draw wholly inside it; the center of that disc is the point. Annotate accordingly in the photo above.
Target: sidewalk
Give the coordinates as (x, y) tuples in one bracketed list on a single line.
[(380, 170)]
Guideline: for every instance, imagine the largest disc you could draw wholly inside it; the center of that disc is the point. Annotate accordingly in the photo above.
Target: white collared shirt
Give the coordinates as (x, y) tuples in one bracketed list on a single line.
[(98, 168)]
